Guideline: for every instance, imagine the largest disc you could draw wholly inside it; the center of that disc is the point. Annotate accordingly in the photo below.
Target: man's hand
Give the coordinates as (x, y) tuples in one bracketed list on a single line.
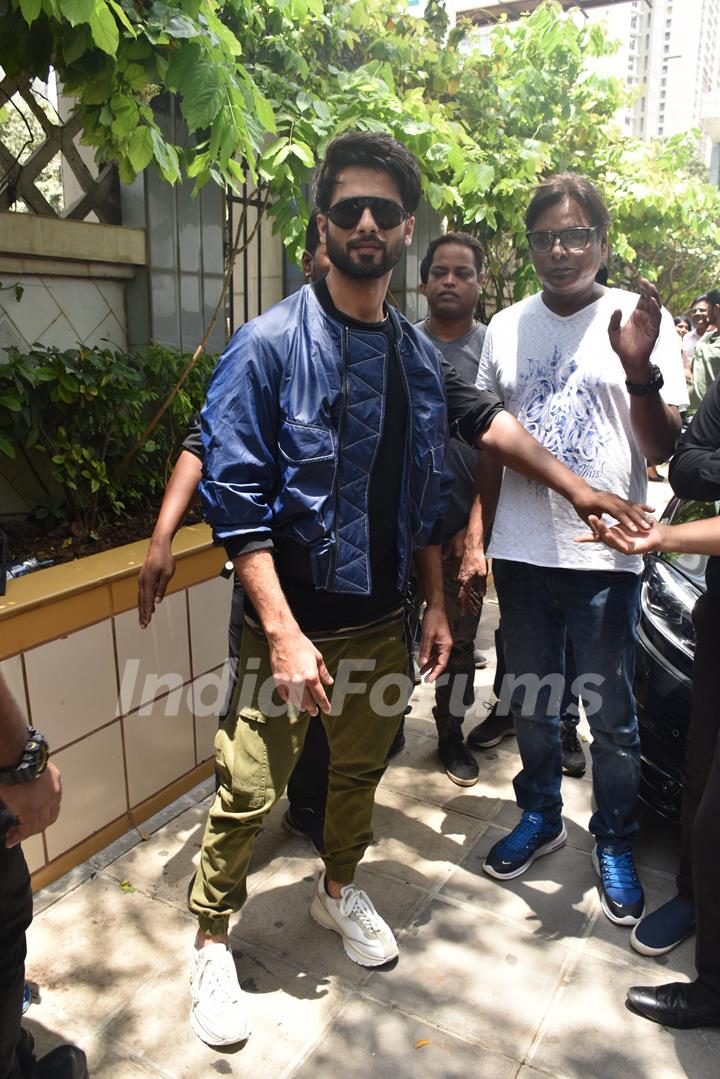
[(635, 341), (299, 671), (589, 502), (35, 804), (620, 539), (436, 642), (472, 576), (157, 571)]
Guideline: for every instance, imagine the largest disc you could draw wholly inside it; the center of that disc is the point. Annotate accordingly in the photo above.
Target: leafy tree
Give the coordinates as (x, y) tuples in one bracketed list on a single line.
[(262, 86)]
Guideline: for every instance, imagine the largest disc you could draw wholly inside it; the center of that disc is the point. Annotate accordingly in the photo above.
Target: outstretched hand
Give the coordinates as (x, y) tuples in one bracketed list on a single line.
[(633, 517), (619, 538), (635, 341)]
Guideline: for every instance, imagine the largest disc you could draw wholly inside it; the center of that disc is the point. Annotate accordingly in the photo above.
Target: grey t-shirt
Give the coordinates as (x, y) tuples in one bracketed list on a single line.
[(464, 355)]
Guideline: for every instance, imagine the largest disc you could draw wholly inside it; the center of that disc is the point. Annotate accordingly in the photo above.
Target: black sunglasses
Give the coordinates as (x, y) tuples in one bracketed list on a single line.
[(347, 212), (572, 239)]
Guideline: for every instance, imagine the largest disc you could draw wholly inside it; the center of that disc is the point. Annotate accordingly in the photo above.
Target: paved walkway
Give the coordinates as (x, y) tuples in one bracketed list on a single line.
[(523, 979)]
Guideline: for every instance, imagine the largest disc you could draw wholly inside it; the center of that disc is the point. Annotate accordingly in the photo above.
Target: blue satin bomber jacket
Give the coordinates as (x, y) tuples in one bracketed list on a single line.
[(290, 428)]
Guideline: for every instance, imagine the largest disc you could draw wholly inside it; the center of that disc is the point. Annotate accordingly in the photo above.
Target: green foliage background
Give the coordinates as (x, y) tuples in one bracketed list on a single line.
[(263, 85)]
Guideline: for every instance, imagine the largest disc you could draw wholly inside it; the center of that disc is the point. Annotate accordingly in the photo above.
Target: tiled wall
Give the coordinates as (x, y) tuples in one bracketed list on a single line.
[(127, 712)]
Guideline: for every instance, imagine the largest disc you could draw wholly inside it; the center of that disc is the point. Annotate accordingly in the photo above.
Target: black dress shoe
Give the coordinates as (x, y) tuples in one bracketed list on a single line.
[(677, 1004), (65, 1062)]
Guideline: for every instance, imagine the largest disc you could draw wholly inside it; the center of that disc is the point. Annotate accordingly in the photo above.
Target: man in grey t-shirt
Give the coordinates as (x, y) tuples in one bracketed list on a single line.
[(450, 276)]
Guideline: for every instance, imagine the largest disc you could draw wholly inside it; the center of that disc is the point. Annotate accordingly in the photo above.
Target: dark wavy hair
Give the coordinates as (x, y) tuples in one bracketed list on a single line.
[(369, 150)]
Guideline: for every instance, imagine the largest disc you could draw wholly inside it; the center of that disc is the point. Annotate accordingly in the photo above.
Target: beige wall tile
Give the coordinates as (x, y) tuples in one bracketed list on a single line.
[(34, 852), (209, 692), (160, 747), (93, 789), (11, 670), (72, 685), (209, 613), (155, 660)]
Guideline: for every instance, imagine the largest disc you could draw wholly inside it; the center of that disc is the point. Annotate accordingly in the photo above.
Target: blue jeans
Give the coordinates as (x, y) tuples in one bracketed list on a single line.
[(598, 611)]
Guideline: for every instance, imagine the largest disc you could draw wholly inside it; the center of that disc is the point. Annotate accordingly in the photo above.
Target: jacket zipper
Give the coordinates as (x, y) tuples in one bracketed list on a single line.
[(341, 432), (408, 456)]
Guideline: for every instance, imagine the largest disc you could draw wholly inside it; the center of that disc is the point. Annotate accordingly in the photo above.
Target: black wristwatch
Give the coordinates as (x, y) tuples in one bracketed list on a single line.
[(642, 389), (32, 763)]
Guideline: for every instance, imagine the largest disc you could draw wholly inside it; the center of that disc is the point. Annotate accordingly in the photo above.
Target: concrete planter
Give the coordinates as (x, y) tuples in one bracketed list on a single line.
[(130, 715)]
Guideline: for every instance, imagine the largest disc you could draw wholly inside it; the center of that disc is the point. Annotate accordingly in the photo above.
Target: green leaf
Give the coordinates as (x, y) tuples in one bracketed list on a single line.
[(122, 17), (19, 290), (30, 9), (77, 11), (7, 447), (265, 112), (303, 153), (11, 403), (166, 157), (125, 115), (76, 45), (104, 29), (140, 148)]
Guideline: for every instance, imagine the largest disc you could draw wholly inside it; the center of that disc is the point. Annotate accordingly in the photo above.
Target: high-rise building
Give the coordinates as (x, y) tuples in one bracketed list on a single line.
[(669, 57)]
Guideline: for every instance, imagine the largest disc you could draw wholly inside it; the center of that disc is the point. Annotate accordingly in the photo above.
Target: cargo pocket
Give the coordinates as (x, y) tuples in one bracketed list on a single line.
[(241, 757)]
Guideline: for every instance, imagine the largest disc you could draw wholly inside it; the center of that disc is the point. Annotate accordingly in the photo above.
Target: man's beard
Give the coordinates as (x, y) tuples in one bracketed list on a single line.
[(364, 268)]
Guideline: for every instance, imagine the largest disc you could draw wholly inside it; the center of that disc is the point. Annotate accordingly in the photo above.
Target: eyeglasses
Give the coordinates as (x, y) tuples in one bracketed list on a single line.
[(347, 212), (573, 239)]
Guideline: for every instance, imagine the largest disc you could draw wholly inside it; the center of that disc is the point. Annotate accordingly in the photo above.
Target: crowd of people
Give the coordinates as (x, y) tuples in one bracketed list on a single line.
[(343, 451)]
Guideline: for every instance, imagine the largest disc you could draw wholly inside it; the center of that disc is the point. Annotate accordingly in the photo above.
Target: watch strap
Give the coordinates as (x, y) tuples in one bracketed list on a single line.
[(643, 389)]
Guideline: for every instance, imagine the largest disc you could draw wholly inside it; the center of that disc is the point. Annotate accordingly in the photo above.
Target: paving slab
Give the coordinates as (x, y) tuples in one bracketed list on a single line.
[(163, 869), (417, 843), (93, 950), (370, 1039), (417, 773), (106, 1059), (554, 899), (482, 979), (589, 1033), (277, 918), (289, 1011)]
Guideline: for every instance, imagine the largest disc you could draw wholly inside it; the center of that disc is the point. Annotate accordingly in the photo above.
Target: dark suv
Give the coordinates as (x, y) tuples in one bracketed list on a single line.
[(671, 585)]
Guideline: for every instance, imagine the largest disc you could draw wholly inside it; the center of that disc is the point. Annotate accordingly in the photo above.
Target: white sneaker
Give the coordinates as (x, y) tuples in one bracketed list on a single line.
[(367, 939), (217, 1014)]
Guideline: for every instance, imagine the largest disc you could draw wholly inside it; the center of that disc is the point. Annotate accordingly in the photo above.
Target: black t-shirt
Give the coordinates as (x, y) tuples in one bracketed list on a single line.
[(316, 609)]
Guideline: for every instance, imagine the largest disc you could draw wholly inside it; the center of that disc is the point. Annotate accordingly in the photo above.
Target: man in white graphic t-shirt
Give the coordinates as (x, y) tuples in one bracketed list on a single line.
[(595, 375)]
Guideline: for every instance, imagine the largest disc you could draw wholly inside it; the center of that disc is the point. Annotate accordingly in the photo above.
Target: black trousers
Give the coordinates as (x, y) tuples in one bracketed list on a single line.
[(706, 879), (15, 917), (703, 733)]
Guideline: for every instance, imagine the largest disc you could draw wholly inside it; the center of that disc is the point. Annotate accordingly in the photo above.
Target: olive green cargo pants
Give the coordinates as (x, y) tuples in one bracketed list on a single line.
[(260, 741)]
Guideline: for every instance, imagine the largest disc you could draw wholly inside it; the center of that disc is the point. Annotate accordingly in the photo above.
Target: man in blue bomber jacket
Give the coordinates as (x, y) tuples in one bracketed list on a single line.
[(324, 434)]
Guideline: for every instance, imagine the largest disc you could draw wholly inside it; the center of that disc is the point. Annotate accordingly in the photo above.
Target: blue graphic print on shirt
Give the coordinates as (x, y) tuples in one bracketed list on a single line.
[(564, 412)]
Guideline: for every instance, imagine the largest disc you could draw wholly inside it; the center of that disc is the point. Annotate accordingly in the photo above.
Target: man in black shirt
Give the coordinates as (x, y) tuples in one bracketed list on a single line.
[(695, 474)]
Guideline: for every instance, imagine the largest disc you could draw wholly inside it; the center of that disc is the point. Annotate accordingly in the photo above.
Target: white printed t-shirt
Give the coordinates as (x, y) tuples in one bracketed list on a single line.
[(560, 377)]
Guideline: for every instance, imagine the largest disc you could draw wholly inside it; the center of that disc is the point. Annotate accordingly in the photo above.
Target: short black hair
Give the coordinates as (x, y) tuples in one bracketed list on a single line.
[(463, 238), (705, 298), (370, 150), (312, 236), (682, 318), (714, 296), (569, 185)]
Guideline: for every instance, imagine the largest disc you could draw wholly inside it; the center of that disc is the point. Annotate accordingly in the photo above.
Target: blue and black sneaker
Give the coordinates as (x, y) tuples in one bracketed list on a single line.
[(665, 928), (621, 892), (530, 839)]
